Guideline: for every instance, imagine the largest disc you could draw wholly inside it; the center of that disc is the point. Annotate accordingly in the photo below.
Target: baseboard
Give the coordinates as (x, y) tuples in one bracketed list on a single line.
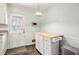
[(22, 45)]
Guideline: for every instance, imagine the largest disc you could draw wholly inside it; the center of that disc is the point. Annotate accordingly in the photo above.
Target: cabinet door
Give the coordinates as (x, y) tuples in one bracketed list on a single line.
[(39, 43), (47, 46), (3, 13), (3, 44), (41, 48)]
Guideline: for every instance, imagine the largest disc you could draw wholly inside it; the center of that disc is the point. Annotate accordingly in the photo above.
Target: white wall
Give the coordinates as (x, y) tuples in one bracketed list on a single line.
[(63, 19), (60, 18), (17, 38)]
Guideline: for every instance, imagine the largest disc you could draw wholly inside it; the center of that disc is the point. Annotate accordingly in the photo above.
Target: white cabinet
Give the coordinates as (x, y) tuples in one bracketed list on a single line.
[(3, 44), (39, 43), (50, 47), (3, 13), (47, 45)]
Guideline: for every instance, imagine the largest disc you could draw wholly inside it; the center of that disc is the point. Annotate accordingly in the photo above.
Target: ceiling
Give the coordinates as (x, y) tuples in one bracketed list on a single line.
[(33, 6)]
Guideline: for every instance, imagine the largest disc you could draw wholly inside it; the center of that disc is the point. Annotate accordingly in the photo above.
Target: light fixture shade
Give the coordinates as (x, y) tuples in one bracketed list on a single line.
[(38, 13)]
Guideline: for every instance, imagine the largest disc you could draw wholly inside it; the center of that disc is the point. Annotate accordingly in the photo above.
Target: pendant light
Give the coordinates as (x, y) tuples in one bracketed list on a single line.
[(38, 12)]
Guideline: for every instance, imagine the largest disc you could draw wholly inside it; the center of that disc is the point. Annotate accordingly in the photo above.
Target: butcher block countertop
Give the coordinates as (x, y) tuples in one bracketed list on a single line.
[(49, 35)]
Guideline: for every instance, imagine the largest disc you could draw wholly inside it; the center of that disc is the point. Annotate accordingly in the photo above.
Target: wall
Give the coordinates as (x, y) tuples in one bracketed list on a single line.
[(18, 38), (63, 19), (60, 18)]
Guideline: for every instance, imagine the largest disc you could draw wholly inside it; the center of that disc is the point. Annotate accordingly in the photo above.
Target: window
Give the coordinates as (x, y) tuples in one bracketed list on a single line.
[(17, 22)]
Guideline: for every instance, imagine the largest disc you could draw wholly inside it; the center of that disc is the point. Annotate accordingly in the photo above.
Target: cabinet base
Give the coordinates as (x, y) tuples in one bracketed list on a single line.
[(38, 51)]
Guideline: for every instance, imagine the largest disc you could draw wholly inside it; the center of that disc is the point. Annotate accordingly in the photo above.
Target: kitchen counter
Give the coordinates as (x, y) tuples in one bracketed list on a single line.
[(49, 35), (48, 43)]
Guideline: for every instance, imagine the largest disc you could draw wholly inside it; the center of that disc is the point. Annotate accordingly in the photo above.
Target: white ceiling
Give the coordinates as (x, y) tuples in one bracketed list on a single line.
[(33, 6)]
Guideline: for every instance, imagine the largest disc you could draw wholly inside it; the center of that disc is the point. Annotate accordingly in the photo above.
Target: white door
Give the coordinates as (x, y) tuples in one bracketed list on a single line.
[(16, 31)]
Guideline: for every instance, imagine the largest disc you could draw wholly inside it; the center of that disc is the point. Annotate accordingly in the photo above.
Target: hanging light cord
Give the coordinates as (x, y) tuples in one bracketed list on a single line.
[(38, 6), (38, 13)]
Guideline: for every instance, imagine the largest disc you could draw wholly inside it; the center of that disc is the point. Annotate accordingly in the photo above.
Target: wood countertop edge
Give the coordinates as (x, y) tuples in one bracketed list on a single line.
[(50, 35), (54, 36)]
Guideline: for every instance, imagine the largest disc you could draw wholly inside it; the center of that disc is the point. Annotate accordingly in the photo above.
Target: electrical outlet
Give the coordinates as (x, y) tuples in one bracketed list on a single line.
[(33, 40)]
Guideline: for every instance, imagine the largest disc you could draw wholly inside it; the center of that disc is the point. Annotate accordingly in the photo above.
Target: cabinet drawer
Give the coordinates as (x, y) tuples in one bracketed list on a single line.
[(59, 38), (56, 39)]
